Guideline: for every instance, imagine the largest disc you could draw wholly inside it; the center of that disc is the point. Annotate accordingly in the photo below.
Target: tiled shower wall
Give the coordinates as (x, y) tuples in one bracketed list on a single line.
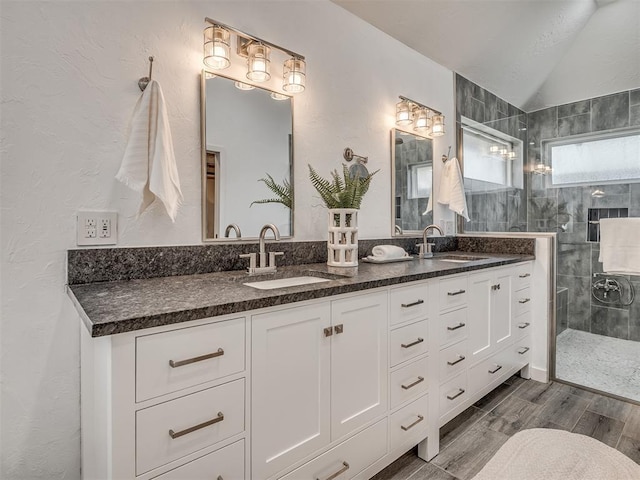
[(564, 210), (504, 210)]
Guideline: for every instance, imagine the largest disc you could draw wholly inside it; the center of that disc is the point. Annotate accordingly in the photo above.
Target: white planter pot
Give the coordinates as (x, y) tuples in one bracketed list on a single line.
[(342, 245)]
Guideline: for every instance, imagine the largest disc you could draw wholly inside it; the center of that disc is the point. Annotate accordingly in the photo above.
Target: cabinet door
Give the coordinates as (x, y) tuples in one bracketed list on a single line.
[(290, 386), (479, 317), (501, 324), (358, 362)]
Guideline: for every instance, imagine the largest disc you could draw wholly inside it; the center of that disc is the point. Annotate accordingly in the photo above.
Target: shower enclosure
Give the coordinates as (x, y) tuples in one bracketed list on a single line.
[(581, 164)]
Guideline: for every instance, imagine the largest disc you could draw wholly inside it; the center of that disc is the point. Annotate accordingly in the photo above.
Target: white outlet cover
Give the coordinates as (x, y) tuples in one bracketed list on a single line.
[(89, 231)]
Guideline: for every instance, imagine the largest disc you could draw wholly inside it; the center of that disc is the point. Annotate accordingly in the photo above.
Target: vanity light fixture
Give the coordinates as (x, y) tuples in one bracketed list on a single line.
[(425, 119), (216, 47), (243, 86), (257, 52)]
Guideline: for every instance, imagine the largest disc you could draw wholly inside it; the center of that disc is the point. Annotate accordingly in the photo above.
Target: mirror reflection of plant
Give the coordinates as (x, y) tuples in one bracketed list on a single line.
[(284, 192), (344, 191)]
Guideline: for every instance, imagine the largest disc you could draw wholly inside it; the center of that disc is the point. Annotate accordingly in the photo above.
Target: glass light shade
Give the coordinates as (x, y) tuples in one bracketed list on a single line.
[(495, 149), (437, 129), (404, 114), (512, 155), (243, 86), (422, 122), (258, 62), (279, 96), (294, 76), (504, 151), (216, 47)]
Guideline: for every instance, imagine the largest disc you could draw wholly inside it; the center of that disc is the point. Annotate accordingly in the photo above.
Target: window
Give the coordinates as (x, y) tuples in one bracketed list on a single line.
[(605, 158), (419, 179)]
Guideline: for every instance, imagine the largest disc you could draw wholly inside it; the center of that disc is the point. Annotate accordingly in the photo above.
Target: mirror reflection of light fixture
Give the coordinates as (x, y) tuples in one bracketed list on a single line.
[(294, 75), (279, 96), (425, 119), (243, 86), (494, 149), (597, 193), (257, 51), (512, 155), (216, 47), (541, 169)]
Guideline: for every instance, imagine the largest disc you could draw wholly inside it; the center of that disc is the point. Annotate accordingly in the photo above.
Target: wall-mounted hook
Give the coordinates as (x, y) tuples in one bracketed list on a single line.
[(349, 155), (144, 81), (446, 157)]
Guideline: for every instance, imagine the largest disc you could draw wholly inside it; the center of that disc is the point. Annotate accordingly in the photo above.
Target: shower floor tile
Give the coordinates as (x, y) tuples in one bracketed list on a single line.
[(604, 363)]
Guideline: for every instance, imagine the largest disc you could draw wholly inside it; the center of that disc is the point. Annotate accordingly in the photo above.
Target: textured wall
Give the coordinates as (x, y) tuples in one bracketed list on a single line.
[(69, 84)]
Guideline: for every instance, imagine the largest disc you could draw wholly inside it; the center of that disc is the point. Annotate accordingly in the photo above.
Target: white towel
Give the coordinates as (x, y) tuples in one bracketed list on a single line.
[(620, 245), (385, 252), (149, 164), (451, 189)]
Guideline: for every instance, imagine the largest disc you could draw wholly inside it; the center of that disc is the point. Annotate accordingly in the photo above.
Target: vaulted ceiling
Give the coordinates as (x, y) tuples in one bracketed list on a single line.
[(532, 53)]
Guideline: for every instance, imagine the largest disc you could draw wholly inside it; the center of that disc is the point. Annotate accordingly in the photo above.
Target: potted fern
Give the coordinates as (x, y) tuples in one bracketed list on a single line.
[(343, 195)]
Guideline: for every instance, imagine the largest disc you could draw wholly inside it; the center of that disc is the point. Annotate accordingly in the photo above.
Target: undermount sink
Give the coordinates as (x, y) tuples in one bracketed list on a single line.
[(285, 282), (458, 258)]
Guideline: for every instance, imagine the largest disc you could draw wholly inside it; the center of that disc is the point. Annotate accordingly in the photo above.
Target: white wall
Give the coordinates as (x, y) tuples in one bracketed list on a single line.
[(69, 84)]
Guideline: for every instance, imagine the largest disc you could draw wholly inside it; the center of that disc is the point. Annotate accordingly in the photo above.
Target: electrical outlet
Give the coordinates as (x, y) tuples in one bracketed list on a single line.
[(449, 228), (97, 228)]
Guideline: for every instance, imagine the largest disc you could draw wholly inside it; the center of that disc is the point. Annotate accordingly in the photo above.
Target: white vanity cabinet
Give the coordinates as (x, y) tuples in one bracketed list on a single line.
[(319, 373)]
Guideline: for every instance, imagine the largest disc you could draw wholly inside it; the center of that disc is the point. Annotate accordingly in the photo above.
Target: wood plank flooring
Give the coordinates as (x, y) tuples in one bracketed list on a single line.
[(468, 441)]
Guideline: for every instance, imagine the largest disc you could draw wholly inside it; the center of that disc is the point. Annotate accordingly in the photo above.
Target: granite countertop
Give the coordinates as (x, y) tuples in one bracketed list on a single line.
[(109, 308)]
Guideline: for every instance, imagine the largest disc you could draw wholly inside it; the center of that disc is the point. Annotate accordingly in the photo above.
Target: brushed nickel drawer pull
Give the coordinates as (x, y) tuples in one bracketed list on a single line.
[(345, 467), (459, 292), (339, 328), (460, 392), (524, 325), (407, 387), (498, 367), (524, 350), (409, 305), (218, 419), (460, 325), (407, 345), (524, 300), (188, 361), (524, 275), (460, 358), (420, 418), (328, 331)]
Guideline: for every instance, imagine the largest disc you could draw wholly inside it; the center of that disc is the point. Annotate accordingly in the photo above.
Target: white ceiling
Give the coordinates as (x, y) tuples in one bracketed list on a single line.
[(532, 53)]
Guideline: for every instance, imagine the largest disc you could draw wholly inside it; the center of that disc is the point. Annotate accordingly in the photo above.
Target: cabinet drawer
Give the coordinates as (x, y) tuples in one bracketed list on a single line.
[(408, 303), (453, 327), (195, 421), (522, 301), (453, 360), (409, 342), (521, 351), (350, 457), (490, 371), (226, 463), (170, 361), (409, 424), (522, 275), (453, 292), (409, 381), (522, 325), (453, 393)]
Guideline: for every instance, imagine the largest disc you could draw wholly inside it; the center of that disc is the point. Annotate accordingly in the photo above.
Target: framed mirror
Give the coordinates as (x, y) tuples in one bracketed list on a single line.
[(411, 182), (247, 135)]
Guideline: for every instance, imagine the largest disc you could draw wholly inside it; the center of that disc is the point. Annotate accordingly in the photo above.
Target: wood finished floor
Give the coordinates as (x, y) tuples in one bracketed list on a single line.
[(468, 441)]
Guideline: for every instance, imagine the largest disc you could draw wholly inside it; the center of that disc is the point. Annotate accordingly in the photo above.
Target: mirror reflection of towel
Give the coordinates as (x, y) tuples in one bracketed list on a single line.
[(451, 189), (149, 163)]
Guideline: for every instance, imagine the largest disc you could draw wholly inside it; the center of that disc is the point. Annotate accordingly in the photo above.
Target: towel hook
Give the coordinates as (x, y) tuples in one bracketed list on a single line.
[(446, 157), (349, 155), (144, 81)]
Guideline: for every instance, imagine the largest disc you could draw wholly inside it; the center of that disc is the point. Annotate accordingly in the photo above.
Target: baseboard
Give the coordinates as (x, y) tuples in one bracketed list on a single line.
[(539, 374)]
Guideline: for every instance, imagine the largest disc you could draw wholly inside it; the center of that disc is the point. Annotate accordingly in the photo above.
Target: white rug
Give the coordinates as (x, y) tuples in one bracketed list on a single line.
[(546, 454), (608, 364)]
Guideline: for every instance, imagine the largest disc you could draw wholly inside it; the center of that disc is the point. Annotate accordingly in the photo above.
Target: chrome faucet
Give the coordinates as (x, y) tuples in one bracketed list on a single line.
[(235, 228), (426, 248), (266, 262)]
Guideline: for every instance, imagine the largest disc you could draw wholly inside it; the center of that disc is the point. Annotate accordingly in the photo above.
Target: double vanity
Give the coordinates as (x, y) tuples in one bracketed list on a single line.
[(299, 374)]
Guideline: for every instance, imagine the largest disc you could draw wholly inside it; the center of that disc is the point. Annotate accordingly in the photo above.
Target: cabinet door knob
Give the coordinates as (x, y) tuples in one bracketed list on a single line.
[(339, 329), (407, 345), (420, 418), (495, 287), (345, 467), (328, 331), (219, 418), (181, 363)]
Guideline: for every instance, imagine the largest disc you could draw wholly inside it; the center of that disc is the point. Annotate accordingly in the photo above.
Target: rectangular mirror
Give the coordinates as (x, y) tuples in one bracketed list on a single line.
[(411, 182), (247, 135)]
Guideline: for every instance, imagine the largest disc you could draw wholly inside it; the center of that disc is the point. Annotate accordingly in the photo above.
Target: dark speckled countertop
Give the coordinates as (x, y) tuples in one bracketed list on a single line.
[(109, 308)]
